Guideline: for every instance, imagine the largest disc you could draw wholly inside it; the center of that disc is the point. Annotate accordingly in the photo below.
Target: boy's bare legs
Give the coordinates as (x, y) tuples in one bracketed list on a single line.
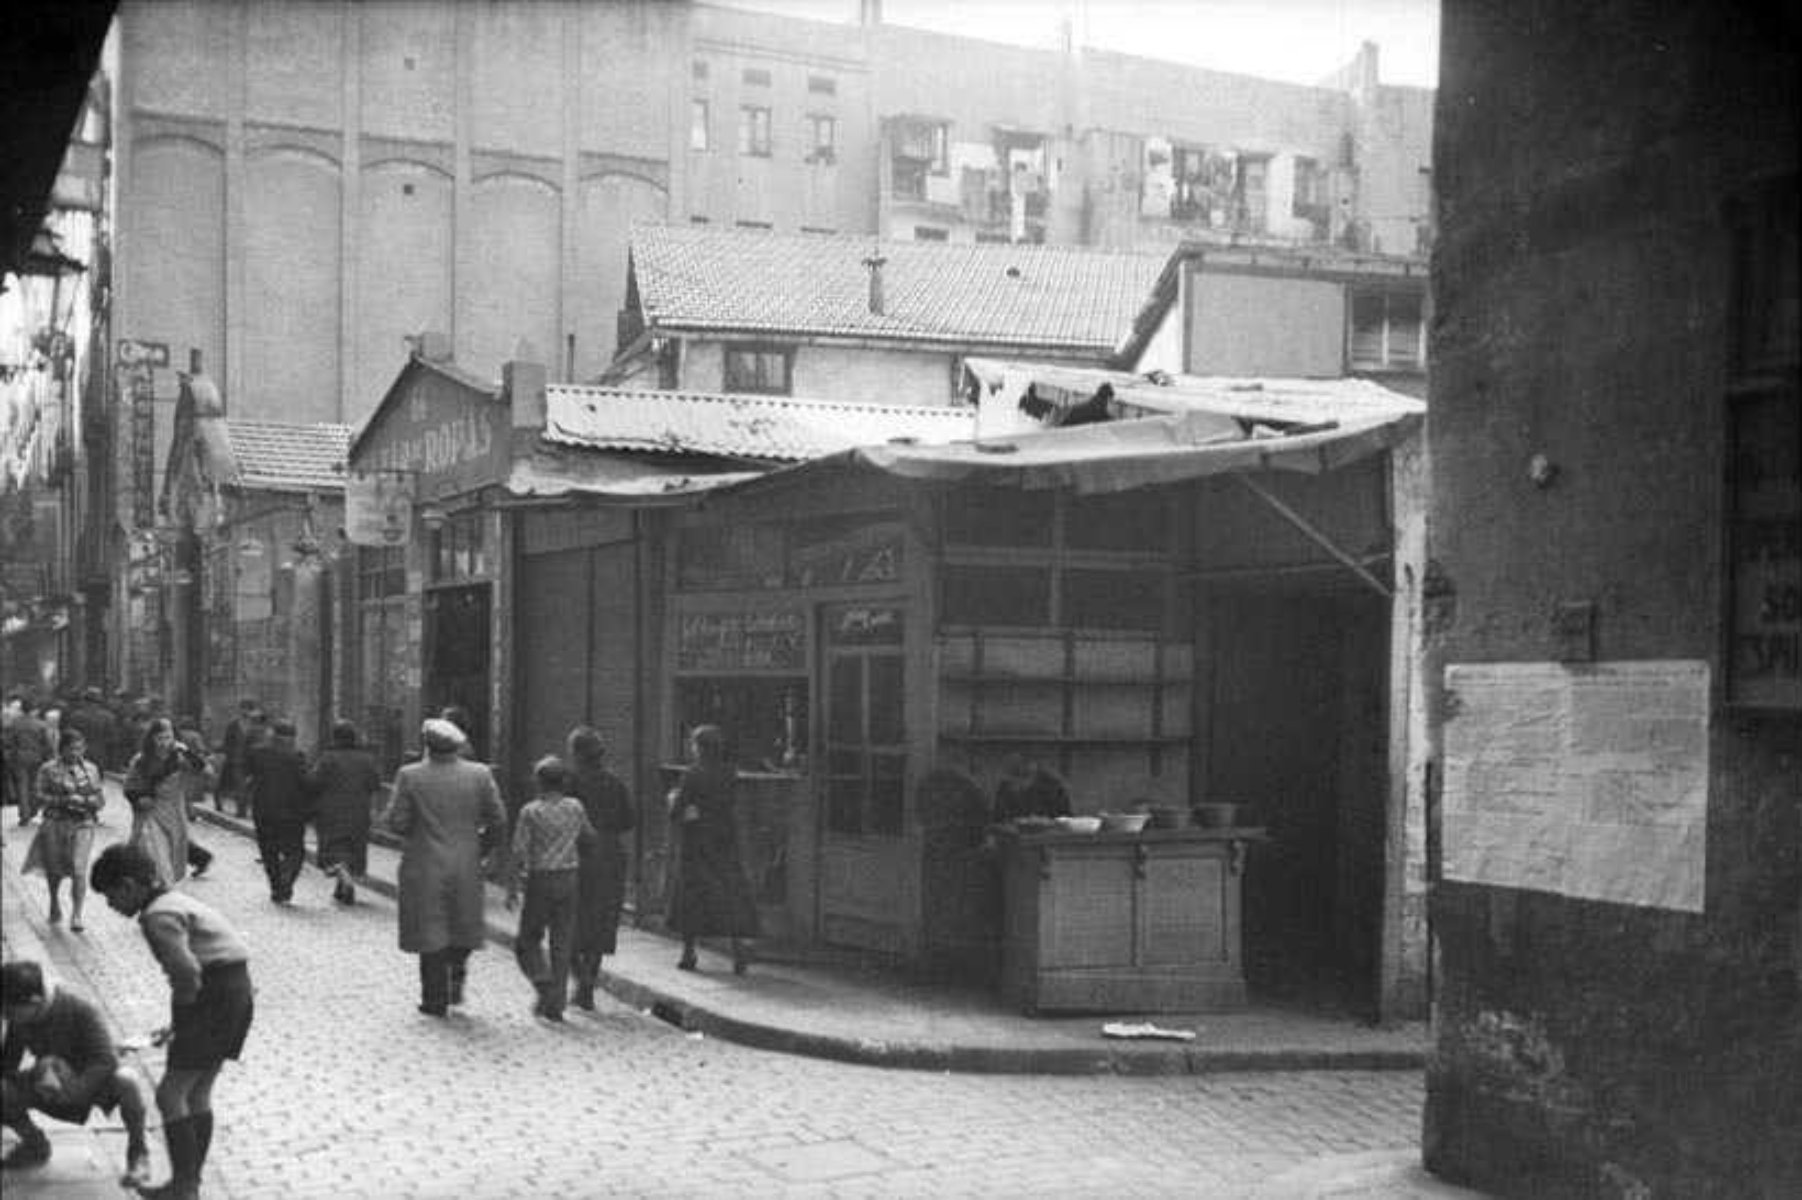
[(134, 1111)]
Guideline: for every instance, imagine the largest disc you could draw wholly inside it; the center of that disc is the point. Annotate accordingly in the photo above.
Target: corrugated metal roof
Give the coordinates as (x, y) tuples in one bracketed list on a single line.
[(286, 457), (778, 428), (696, 277)]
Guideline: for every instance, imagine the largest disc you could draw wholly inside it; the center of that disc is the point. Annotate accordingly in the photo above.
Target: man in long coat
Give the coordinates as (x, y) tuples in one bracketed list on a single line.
[(448, 810)]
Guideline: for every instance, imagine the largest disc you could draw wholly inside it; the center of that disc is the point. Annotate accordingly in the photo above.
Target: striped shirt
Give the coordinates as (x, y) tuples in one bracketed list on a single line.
[(548, 833)]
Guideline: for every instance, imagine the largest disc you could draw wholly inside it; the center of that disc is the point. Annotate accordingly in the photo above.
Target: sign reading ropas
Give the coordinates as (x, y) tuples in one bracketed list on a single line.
[(455, 442)]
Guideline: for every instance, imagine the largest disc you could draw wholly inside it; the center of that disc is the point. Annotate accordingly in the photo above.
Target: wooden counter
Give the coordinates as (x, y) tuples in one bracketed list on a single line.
[(1123, 922)]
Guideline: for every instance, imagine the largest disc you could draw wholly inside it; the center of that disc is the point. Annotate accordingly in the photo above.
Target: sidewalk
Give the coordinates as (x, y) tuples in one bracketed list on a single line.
[(834, 1013), (877, 1018)]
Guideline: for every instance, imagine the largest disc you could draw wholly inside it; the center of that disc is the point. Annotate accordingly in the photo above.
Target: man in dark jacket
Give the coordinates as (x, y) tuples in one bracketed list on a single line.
[(282, 804)]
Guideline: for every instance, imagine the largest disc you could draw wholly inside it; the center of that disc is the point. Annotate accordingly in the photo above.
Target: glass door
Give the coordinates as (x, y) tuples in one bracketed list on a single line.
[(863, 876)]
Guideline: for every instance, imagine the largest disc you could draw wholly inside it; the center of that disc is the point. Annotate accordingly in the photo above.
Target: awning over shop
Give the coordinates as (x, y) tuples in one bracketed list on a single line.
[(1108, 431), (1140, 452), (635, 479), (1016, 396)]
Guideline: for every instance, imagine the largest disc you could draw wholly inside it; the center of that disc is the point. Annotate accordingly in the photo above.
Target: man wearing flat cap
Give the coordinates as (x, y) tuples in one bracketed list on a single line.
[(445, 808)]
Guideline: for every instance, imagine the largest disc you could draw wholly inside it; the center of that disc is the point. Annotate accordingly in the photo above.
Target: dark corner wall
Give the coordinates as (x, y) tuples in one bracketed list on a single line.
[(1614, 364)]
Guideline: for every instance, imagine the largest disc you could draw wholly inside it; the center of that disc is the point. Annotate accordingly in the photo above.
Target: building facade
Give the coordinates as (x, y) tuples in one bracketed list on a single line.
[(1613, 619)]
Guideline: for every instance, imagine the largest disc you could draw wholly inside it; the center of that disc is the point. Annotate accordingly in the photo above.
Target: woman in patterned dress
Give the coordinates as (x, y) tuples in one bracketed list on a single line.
[(68, 792)]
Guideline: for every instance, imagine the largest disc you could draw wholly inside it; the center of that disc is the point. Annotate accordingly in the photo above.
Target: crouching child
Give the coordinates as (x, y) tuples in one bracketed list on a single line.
[(74, 1069)]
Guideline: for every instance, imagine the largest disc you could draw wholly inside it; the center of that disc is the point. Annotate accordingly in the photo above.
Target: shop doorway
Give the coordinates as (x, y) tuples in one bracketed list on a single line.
[(864, 877), (1298, 733), (457, 655)]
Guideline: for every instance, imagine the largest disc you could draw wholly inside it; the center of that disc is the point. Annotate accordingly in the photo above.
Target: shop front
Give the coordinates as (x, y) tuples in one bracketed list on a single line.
[(886, 635)]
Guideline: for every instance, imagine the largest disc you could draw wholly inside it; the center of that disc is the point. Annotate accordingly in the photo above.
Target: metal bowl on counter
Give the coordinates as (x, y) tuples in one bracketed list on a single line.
[(1129, 822)]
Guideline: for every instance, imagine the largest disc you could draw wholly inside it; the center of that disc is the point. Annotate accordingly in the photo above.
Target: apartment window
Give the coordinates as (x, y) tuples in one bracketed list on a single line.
[(756, 77), (754, 131), (1310, 199), (699, 70), (755, 224), (698, 135), (751, 367), (909, 180), (1387, 332), (940, 142), (822, 85), (1254, 193), (822, 138), (927, 233)]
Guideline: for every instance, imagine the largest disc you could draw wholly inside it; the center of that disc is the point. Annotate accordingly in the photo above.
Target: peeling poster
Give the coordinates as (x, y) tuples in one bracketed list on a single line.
[(1587, 781)]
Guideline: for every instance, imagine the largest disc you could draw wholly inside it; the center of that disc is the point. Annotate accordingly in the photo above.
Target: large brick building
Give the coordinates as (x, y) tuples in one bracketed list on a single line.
[(303, 185)]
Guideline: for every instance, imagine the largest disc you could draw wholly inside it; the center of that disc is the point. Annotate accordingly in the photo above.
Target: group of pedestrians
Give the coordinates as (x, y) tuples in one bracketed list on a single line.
[(565, 871), (566, 859)]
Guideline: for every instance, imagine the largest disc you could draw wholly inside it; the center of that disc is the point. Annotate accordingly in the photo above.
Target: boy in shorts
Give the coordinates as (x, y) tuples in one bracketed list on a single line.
[(210, 1002), (75, 1069)]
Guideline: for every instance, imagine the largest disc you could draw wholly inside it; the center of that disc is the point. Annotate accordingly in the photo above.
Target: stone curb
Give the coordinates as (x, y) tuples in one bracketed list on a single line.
[(998, 1060)]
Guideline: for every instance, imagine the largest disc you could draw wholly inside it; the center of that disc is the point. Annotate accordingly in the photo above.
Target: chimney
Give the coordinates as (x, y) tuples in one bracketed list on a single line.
[(869, 12), (431, 345), (522, 386), (874, 263)]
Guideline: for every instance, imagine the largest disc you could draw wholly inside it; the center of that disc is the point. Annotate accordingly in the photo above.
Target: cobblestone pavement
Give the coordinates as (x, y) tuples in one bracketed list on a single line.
[(346, 1091)]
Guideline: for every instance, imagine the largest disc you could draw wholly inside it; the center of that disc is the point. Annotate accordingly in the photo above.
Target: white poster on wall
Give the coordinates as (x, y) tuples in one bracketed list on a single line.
[(1585, 780)]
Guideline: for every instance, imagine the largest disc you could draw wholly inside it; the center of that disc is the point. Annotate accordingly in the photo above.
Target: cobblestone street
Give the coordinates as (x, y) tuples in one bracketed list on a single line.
[(346, 1091)]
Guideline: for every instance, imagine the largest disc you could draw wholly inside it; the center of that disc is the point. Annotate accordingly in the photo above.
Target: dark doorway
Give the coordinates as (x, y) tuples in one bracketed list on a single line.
[(1299, 735), (457, 636)]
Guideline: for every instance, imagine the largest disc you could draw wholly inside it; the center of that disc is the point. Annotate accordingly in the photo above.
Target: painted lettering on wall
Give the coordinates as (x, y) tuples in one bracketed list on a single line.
[(455, 442)]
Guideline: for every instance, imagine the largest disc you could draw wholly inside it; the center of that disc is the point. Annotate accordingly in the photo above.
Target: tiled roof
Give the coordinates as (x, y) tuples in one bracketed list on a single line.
[(775, 428), (284, 457), (696, 277)]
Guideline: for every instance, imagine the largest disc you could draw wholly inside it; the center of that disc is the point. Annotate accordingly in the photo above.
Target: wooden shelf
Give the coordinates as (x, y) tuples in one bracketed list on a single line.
[(1061, 739), (1066, 680)]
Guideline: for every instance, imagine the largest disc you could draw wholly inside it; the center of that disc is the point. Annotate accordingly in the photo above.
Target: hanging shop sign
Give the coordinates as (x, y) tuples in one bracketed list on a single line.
[(143, 450), (134, 353), (378, 507)]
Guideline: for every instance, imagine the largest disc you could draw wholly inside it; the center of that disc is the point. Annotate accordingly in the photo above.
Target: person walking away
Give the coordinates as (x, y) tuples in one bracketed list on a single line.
[(601, 882), (74, 1069), (156, 784), (27, 746), (546, 855), (232, 748), (493, 864), (187, 732), (69, 793), (711, 895), (211, 1003), (447, 809), (344, 780), (277, 772)]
